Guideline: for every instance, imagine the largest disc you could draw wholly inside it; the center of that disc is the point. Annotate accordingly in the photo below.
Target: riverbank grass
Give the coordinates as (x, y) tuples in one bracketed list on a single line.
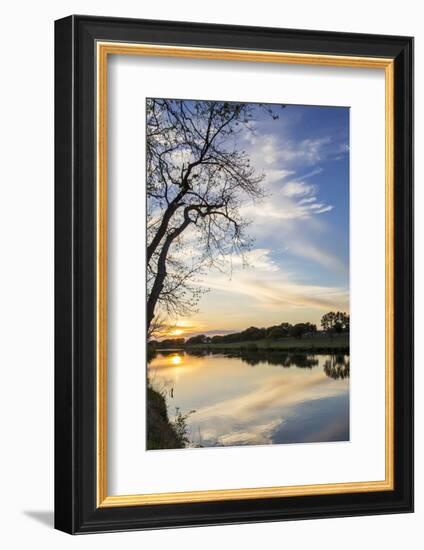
[(161, 433), (322, 344)]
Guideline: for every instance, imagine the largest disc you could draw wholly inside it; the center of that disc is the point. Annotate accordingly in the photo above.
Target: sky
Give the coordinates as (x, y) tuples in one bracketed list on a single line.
[(299, 262)]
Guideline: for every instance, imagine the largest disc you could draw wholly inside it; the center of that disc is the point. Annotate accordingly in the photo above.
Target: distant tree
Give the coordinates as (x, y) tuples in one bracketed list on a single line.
[(335, 322), (285, 327), (252, 333), (300, 329), (233, 337), (342, 322), (277, 332), (199, 339), (311, 328), (347, 322), (328, 321), (172, 342)]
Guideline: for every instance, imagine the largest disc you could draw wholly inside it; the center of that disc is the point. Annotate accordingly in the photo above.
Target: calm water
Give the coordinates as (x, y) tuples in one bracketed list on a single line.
[(256, 398)]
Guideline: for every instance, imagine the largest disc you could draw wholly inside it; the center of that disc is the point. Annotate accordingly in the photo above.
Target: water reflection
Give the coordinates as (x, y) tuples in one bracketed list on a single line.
[(253, 358), (337, 366), (317, 420), (306, 400)]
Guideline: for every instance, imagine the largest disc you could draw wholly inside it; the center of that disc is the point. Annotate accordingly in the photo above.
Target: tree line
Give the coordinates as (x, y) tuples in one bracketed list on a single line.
[(331, 323)]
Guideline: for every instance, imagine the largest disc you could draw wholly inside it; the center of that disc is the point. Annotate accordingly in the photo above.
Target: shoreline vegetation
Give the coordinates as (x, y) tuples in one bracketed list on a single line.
[(161, 432), (337, 343), (300, 337)]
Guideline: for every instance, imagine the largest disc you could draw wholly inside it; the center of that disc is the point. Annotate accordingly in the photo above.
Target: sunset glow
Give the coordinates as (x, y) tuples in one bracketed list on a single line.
[(176, 360), (298, 266)]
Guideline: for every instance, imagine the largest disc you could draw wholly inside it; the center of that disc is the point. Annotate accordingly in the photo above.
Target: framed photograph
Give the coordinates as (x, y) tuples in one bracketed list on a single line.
[(233, 274)]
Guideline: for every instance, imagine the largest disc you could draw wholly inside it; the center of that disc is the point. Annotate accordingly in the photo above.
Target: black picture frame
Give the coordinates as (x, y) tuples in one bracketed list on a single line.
[(76, 508)]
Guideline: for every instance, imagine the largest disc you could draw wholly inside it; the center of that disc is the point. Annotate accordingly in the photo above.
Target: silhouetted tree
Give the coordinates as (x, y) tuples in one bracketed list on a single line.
[(199, 339), (335, 322), (196, 180), (278, 331), (171, 343), (300, 329)]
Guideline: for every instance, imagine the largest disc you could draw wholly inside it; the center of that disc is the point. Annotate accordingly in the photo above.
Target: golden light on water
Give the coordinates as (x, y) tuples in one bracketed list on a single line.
[(176, 359)]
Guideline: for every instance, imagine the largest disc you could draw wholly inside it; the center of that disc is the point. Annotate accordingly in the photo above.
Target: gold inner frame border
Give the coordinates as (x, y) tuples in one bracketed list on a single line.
[(103, 50)]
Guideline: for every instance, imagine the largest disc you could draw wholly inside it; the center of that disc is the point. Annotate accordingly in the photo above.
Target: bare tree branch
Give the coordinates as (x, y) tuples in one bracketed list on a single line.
[(197, 178)]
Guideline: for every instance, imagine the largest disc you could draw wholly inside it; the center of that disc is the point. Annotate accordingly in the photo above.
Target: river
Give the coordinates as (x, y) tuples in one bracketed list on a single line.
[(255, 398)]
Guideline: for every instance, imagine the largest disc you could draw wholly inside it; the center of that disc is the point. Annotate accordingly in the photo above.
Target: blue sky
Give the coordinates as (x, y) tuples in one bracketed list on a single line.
[(299, 263), (311, 144)]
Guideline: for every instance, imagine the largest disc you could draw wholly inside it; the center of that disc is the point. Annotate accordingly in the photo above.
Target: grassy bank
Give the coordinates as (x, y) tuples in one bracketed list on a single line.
[(161, 433), (324, 344)]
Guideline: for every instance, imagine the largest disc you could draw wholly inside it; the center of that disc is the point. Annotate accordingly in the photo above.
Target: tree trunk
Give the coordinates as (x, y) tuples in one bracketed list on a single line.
[(161, 271), (162, 230)]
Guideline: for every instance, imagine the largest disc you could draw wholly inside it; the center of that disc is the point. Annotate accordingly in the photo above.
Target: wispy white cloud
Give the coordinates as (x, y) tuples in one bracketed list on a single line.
[(269, 149), (315, 172), (307, 151), (307, 200), (298, 189), (258, 258), (264, 282), (258, 407), (277, 175), (324, 209), (307, 249), (294, 206), (290, 194), (294, 199)]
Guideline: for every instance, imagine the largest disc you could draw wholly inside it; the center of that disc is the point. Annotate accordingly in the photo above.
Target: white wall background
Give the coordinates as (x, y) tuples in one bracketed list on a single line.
[(26, 272)]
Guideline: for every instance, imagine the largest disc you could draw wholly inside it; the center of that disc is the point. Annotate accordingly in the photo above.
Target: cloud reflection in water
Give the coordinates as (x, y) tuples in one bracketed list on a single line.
[(273, 401)]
